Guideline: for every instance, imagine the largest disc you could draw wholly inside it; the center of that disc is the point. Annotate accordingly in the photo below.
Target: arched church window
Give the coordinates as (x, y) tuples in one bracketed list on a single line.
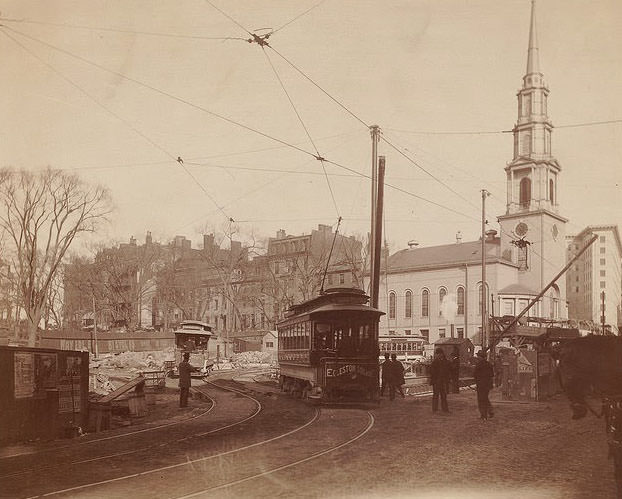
[(460, 300), (525, 192), (408, 304), (441, 297), (392, 305), (425, 303), (551, 191)]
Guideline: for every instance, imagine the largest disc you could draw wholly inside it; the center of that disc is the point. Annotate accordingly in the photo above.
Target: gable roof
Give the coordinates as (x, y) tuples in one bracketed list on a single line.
[(445, 255)]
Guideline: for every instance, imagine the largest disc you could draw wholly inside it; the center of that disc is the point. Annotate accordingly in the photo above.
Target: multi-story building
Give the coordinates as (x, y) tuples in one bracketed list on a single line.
[(153, 285), (437, 291), (594, 282), (117, 288)]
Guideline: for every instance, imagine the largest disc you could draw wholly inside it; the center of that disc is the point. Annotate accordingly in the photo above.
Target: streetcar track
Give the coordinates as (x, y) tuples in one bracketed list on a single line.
[(142, 449), (286, 466), (183, 463), (110, 437)]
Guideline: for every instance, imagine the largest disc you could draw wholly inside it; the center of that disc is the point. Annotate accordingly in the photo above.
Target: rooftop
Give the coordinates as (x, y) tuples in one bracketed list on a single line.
[(446, 255)]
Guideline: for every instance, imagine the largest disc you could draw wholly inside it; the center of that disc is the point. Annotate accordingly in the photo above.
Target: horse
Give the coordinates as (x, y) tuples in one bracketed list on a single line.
[(592, 365)]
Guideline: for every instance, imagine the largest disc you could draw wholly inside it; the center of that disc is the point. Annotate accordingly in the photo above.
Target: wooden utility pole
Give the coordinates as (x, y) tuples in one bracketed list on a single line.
[(484, 297), (375, 136), (378, 235)]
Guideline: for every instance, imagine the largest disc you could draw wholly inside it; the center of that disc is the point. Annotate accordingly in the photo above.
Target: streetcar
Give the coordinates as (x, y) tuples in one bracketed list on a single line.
[(193, 337), (328, 348), (404, 347)]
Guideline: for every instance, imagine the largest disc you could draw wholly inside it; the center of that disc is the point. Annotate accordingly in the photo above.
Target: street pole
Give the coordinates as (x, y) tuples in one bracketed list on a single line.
[(484, 284), (375, 133)]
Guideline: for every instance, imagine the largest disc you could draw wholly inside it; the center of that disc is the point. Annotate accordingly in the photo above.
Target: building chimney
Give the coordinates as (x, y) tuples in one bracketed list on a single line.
[(490, 234), (208, 242), (412, 244), (148, 239), (132, 241), (458, 237), (280, 234)]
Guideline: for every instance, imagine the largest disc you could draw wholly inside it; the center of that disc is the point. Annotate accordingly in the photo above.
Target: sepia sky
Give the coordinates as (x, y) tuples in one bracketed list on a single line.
[(115, 91)]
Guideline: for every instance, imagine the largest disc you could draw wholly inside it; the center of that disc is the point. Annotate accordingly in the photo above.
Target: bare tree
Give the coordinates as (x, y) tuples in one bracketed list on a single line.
[(41, 214)]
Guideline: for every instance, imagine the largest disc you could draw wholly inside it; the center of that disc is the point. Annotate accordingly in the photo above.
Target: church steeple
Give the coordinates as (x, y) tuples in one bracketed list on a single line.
[(533, 172), (532, 230), (533, 62)]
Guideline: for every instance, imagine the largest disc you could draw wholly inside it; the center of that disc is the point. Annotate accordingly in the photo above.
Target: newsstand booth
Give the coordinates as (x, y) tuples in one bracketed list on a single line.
[(43, 393), (526, 366)]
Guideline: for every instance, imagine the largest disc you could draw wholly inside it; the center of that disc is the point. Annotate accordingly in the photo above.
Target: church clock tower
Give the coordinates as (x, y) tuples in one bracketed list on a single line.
[(532, 230)]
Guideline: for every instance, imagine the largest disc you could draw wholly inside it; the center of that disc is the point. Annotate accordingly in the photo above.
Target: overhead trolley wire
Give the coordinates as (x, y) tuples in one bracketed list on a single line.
[(404, 191), (162, 92), (402, 153), (229, 17), (308, 78), (231, 121), (117, 116), (494, 132), (120, 30), (297, 17), (318, 156)]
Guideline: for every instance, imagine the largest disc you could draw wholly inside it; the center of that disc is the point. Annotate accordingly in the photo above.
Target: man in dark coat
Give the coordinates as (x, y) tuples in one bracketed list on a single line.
[(484, 375), (184, 379), (397, 377), (385, 369), (439, 379)]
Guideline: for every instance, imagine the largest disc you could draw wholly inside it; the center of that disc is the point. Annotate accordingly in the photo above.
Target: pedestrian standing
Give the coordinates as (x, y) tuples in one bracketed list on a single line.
[(184, 379), (397, 376), (439, 379), (484, 375), (454, 363), (384, 373)]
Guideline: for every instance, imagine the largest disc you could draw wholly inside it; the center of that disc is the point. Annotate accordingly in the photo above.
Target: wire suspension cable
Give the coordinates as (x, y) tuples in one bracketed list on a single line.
[(120, 30), (162, 92), (229, 17), (297, 17), (402, 153), (115, 115), (318, 156), (492, 132), (404, 191), (319, 87)]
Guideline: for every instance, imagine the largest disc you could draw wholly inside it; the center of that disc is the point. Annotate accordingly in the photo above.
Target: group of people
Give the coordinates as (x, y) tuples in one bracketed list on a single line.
[(392, 376), (444, 372)]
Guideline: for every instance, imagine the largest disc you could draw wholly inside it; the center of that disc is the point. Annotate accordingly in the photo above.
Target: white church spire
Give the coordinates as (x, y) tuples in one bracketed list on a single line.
[(533, 59)]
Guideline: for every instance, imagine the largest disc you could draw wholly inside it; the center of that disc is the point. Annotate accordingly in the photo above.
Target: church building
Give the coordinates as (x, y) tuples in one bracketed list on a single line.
[(436, 292)]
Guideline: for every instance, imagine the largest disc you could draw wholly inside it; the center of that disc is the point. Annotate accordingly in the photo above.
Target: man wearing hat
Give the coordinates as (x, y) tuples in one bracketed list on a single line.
[(484, 375), (184, 379), (439, 379)]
